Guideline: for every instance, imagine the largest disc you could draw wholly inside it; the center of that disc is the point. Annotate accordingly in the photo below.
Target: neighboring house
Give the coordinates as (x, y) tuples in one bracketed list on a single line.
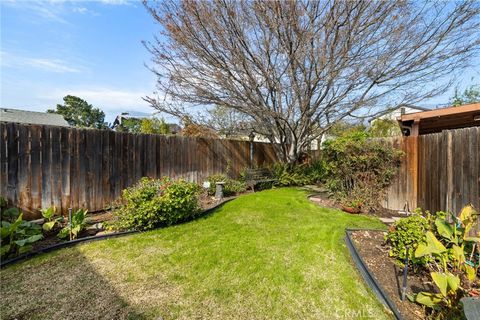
[(402, 109), (32, 117), (174, 128)]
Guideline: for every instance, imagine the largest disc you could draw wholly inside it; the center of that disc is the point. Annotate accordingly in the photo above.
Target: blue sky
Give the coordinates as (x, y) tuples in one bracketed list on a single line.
[(91, 49)]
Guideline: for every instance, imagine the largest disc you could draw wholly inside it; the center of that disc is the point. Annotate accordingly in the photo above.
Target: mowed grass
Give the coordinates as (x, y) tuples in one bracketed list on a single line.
[(268, 255)]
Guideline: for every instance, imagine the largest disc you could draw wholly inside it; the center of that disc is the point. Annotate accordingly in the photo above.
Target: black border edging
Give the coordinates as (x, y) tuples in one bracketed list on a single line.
[(70, 243), (369, 278)]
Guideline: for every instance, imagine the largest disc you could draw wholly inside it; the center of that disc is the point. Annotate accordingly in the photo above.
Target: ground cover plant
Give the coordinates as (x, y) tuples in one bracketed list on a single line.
[(265, 255)]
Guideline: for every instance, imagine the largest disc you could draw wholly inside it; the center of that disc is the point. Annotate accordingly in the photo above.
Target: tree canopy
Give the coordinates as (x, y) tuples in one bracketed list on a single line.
[(470, 95), (295, 68), (78, 112)]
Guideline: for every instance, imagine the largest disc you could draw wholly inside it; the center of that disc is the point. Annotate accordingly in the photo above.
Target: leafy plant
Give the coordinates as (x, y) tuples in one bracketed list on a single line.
[(18, 236), (152, 203), (50, 219), (448, 245), (407, 232), (75, 226), (230, 188)]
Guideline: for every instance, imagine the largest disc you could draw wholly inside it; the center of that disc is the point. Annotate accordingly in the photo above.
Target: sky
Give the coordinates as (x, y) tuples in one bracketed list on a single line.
[(91, 49)]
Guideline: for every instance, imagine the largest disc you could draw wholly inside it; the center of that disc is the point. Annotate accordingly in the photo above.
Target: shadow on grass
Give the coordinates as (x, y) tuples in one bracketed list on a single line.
[(61, 286)]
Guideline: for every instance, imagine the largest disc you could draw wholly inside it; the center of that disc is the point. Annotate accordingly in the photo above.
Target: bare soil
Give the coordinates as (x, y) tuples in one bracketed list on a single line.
[(370, 245)]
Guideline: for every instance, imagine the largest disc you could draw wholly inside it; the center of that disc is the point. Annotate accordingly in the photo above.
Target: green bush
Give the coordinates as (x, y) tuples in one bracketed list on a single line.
[(405, 232), (359, 170), (153, 203), (230, 188)]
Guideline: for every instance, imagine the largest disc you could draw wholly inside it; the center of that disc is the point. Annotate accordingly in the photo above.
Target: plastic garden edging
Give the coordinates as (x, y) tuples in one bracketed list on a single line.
[(70, 243), (367, 276)]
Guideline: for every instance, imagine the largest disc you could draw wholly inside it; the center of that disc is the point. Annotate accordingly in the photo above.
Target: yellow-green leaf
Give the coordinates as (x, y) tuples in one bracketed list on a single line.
[(453, 282), (466, 214), (432, 246), (428, 299), (458, 253), (471, 272), (440, 280), (444, 228)]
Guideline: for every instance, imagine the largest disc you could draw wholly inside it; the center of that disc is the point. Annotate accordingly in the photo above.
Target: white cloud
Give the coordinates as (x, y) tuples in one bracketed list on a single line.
[(108, 99), (46, 64)]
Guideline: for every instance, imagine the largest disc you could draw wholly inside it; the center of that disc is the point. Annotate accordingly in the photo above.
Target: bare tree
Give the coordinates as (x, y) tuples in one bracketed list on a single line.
[(297, 67)]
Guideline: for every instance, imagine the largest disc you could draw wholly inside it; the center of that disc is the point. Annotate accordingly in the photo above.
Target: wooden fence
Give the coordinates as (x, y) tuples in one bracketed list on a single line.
[(83, 168), (66, 167), (440, 171)]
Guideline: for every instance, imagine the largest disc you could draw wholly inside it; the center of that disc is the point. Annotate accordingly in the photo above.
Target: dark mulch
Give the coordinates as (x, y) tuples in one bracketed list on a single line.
[(370, 245)]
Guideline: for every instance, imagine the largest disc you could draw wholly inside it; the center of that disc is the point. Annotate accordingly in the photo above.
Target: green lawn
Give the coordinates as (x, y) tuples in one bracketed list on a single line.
[(268, 255)]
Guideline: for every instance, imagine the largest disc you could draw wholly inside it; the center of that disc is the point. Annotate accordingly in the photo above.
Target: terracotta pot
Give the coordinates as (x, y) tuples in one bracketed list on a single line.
[(353, 210)]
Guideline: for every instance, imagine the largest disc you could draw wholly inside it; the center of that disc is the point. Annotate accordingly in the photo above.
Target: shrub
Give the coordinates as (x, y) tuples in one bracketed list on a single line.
[(230, 188), (17, 235), (153, 203), (360, 169), (405, 232)]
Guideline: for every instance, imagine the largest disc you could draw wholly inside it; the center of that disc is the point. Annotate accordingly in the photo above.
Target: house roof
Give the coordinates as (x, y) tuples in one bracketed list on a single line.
[(409, 106), (441, 119), (32, 117)]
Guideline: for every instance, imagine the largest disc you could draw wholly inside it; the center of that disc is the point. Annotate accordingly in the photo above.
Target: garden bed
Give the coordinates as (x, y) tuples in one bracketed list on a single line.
[(95, 230), (370, 247)]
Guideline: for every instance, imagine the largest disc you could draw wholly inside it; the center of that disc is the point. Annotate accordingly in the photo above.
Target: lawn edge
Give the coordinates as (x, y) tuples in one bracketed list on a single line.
[(369, 278)]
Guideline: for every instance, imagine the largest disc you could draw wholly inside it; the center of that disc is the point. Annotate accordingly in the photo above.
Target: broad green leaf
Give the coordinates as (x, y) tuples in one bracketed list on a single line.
[(453, 282), (4, 250), (47, 226), (34, 238), (471, 272), (4, 232), (21, 242), (432, 246), (428, 299), (440, 280), (458, 253), (11, 212), (48, 213), (444, 228), (63, 233), (14, 226)]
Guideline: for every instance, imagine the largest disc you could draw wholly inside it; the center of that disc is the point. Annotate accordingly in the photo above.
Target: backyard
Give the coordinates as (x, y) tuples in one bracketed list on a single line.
[(265, 255)]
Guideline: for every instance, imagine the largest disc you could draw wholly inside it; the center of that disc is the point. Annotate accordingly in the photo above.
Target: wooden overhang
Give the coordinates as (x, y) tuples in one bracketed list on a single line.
[(425, 122)]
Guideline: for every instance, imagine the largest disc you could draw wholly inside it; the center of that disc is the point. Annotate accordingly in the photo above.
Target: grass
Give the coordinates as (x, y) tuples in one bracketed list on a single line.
[(268, 255)]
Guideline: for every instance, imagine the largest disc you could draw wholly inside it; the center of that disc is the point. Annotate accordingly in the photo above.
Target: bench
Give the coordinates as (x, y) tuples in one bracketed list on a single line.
[(255, 176)]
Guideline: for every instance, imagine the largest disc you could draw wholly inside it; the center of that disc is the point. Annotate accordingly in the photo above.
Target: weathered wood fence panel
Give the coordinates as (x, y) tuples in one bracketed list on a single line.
[(43, 166), (440, 171), (449, 162)]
